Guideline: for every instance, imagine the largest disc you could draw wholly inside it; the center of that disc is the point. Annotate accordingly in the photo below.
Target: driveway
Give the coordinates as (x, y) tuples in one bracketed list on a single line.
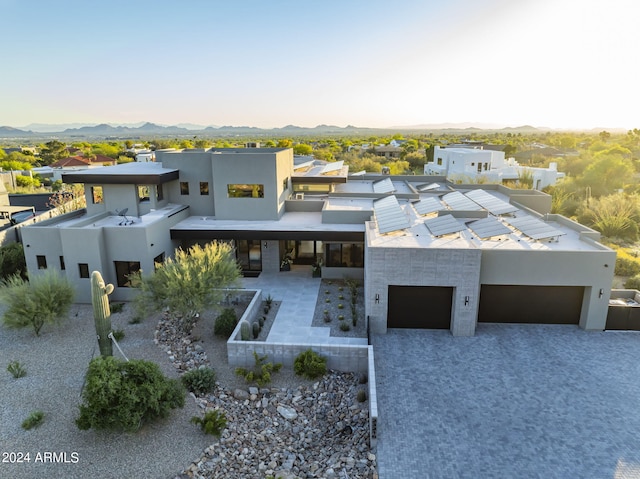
[(514, 401)]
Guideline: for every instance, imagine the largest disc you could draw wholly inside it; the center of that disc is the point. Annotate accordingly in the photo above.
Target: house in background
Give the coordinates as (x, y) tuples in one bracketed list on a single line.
[(472, 164), (431, 254)]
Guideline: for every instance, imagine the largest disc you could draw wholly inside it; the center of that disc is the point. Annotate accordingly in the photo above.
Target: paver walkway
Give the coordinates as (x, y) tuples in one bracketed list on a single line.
[(514, 401)]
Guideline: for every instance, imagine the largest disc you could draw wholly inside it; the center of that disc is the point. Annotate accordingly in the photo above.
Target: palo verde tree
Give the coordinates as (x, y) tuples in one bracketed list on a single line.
[(192, 282), (45, 299)]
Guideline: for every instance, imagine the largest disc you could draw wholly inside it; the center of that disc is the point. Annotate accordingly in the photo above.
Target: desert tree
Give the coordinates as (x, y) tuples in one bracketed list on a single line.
[(193, 281), (44, 299)]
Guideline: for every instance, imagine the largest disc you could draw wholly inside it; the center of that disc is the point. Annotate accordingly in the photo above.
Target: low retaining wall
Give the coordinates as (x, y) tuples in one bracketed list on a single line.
[(340, 357)]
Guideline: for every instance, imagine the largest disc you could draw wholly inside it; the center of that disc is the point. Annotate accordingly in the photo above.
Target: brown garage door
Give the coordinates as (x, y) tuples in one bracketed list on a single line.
[(419, 307), (530, 304)]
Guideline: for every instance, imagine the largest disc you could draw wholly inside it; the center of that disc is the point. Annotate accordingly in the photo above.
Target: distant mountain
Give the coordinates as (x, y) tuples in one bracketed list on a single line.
[(10, 132), (105, 129), (193, 126)]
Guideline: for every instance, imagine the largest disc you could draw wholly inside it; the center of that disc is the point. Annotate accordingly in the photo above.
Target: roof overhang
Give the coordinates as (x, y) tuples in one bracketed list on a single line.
[(202, 234)]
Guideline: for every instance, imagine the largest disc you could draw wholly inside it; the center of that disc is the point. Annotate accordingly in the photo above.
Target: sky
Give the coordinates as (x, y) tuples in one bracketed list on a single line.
[(368, 63)]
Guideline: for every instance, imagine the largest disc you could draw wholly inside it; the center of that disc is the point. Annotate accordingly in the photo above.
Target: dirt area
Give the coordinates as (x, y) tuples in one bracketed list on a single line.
[(329, 314)]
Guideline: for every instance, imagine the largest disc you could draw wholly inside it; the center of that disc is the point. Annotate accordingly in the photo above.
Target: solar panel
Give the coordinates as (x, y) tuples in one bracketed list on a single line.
[(493, 205), (383, 186), (444, 225), (428, 205), (331, 167), (389, 215), (457, 201), (488, 227), (432, 186), (534, 228)]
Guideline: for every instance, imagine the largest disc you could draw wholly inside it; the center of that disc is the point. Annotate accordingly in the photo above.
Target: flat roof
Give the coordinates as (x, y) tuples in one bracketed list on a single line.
[(366, 186), (348, 204), (146, 173)]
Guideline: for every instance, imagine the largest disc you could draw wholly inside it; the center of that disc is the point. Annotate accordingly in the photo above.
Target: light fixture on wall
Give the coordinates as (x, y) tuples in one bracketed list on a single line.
[(265, 244), (601, 293), (377, 298), (466, 300)]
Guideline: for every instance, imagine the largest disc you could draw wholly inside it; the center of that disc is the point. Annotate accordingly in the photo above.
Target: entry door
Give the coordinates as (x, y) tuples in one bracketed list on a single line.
[(249, 255)]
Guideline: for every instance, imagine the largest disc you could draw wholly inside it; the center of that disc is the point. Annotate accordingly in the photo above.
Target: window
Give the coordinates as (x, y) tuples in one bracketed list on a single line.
[(285, 184), (62, 267), (440, 161), (96, 195), (245, 191), (159, 193), (184, 187), (143, 193), (123, 270), (158, 259), (204, 187), (344, 255), (84, 270), (42, 262)]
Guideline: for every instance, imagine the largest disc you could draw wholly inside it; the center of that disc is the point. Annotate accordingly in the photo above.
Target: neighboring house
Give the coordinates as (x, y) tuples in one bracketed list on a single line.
[(73, 163), (388, 151), (471, 165), (431, 254), (145, 156)]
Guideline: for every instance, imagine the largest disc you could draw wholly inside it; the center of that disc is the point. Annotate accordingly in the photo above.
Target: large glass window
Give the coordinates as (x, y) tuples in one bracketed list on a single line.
[(245, 191), (123, 270), (97, 195), (344, 255)]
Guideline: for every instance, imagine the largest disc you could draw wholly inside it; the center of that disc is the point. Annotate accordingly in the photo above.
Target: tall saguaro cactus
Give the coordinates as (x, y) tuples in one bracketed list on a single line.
[(101, 312)]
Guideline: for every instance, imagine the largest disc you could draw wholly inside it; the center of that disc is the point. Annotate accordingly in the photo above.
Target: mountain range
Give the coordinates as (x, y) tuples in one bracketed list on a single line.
[(138, 130)]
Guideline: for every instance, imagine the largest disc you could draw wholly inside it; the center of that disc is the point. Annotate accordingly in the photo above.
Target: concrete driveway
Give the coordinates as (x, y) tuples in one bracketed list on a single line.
[(514, 401)]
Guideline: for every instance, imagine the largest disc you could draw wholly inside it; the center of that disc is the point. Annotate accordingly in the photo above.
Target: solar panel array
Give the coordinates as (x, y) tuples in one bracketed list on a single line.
[(428, 205), (490, 203), (457, 201), (389, 215), (488, 228), (444, 225), (331, 167), (534, 228), (383, 186)]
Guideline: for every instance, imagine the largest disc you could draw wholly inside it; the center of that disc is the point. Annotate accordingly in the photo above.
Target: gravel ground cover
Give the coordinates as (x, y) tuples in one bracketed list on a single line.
[(332, 294)]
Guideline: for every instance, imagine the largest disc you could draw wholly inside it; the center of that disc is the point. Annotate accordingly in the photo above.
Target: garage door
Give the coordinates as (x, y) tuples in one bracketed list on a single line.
[(419, 307), (530, 304)]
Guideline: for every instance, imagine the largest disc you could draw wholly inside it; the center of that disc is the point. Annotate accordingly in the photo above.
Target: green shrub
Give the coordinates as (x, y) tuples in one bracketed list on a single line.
[(121, 395), (310, 364), (362, 395), (226, 323), (261, 373), (633, 282), (345, 327), (268, 300), (340, 306), (16, 369), (33, 420), (212, 423), (116, 307), (341, 317), (199, 381), (327, 316), (118, 334), (12, 261), (363, 379), (626, 264)]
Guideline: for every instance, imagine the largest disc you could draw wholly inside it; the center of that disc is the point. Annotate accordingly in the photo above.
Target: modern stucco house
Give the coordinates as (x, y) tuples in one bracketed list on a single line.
[(431, 254)]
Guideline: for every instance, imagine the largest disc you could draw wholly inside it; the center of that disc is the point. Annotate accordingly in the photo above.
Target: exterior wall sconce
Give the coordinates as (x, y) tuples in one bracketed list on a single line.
[(466, 300), (601, 293), (265, 244), (377, 298)]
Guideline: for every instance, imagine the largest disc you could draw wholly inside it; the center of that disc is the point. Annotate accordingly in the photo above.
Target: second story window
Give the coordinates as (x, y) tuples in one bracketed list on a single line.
[(42, 262), (143, 193), (245, 191), (96, 195), (184, 187), (204, 188)]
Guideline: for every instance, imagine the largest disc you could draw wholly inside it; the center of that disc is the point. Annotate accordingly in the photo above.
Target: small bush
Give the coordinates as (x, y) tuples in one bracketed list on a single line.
[(118, 334), (255, 329), (345, 327), (362, 395), (135, 320), (340, 306), (341, 317), (626, 264), (245, 331), (327, 316), (33, 420), (633, 282), (268, 300), (225, 323), (16, 369), (310, 364), (327, 300), (363, 379), (199, 381), (341, 296), (261, 373), (327, 291), (116, 307), (121, 395), (266, 309), (261, 321), (212, 423)]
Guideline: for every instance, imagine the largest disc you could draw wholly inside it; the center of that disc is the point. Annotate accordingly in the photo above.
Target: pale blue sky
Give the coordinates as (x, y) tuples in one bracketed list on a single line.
[(556, 63)]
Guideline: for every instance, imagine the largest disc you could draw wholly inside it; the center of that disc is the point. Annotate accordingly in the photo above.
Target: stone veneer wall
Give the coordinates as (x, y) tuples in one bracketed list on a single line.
[(457, 268)]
